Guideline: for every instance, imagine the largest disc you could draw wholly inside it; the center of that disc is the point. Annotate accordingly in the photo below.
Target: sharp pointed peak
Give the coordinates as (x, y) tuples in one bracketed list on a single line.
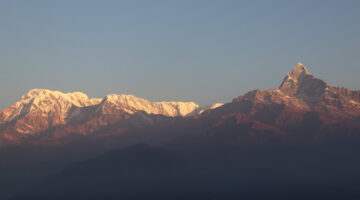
[(299, 70), (289, 84)]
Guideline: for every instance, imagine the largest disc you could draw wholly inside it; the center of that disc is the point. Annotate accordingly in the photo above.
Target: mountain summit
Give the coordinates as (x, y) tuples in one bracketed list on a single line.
[(300, 81), (316, 92), (39, 109), (298, 71)]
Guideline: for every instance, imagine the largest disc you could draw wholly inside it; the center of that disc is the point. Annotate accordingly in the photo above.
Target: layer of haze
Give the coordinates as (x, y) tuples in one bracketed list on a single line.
[(202, 51)]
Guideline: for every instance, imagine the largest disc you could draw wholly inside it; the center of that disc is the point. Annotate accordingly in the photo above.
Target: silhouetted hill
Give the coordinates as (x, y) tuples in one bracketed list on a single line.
[(211, 172)]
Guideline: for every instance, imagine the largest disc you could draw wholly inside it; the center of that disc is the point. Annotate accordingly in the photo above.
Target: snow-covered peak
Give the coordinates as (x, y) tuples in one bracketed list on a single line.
[(299, 82), (132, 104), (40, 109), (76, 98), (121, 98), (292, 79), (51, 106), (298, 71)]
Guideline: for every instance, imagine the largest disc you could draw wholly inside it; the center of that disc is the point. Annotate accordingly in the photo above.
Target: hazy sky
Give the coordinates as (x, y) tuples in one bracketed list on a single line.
[(202, 51)]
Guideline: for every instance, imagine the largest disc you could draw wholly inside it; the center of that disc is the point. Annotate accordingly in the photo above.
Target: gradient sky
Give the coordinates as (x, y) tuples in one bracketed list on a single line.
[(202, 51)]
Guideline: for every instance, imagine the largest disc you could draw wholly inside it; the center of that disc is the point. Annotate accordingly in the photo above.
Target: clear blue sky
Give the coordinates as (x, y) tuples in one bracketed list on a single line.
[(202, 51)]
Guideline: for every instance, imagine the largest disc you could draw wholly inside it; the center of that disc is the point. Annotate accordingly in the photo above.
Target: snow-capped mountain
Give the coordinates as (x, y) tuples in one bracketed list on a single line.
[(132, 104), (60, 114), (303, 104), (302, 100), (318, 95), (40, 109)]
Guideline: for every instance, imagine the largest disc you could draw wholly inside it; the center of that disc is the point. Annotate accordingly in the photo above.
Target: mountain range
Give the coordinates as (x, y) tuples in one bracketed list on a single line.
[(297, 141), (52, 117)]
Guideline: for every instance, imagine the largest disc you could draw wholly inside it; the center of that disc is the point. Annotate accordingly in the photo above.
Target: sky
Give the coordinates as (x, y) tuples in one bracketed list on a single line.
[(201, 51)]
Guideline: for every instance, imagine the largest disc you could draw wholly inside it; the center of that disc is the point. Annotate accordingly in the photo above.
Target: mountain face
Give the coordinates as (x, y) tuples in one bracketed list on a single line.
[(319, 95), (39, 109), (43, 111), (302, 104)]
